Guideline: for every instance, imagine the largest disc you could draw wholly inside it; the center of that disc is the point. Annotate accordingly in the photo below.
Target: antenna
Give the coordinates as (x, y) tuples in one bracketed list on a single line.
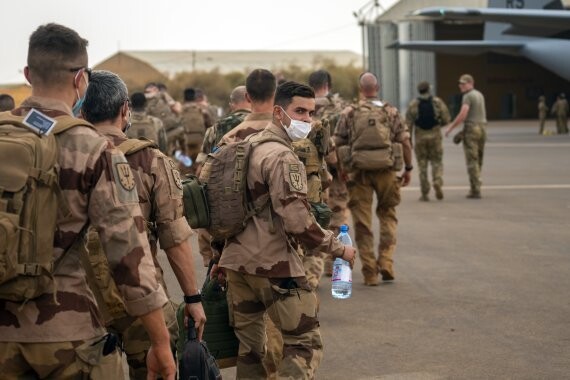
[(366, 15)]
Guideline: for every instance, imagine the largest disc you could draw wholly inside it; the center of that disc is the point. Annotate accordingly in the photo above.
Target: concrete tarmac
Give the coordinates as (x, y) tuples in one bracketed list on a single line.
[(482, 287)]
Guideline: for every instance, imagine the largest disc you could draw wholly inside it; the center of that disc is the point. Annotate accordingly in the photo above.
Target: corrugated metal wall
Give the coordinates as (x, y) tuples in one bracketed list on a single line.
[(382, 61)]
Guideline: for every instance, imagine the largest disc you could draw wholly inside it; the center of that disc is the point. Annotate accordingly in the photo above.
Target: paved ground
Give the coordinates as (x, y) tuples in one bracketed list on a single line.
[(482, 286)]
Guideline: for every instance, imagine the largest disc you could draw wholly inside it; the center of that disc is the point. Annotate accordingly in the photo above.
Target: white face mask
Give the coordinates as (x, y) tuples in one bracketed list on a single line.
[(297, 130)]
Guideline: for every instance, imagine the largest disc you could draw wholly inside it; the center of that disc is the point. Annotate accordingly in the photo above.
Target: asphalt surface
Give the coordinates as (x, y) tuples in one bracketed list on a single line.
[(482, 287)]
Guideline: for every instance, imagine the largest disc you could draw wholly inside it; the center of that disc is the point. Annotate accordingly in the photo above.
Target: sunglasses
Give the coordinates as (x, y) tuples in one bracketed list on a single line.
[(86, 69)]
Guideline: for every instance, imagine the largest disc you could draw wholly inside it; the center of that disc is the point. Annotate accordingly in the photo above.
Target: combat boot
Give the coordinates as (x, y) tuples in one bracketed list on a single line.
[(474, 195), (438, 193), (424, 198), (370, 277)]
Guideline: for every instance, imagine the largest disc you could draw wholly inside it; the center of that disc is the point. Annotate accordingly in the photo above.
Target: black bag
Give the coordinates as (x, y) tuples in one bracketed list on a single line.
[(426, 114), (196, 362)]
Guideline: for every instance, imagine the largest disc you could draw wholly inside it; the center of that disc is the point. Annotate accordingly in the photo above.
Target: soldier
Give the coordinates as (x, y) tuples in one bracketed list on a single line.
[(371, 140), (59, 334), (160, 196), (157, 105), (260, 86), (263, 270), (474, 118), (328, 107), (425, 117), (145, 125), (211, 109), (174, 105), (240, 107), (542, 112), (195, 120), (560, 109), (6, 103)]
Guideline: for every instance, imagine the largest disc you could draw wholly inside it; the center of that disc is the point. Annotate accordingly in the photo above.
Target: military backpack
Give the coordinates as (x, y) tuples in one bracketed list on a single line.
[(194, 124), (371, 146), (227, 124), (145, 126), (426, 114), (221, 189), (30, 200)]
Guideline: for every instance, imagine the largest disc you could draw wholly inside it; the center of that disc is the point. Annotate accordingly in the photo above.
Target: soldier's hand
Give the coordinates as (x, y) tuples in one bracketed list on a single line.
[(218, 273), (196, 311), (160, 362), (349, 255), (448, 130), (406, 178)]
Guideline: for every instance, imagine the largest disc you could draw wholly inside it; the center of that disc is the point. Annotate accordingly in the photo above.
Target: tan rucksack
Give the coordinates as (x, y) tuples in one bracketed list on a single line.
[(371, 137), (192, 119), (143, 125), (30, 199), (225, 175), (95, 262)]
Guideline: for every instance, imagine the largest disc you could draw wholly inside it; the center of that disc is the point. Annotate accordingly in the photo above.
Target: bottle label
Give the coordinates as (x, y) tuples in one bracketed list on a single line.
[(342, 273)]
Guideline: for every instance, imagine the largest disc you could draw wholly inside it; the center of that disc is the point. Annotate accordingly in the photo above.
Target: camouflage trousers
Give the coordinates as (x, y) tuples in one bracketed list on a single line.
[(292, 307), (362, 187), (337, 200), (62, 360), (541, 121), (562, 124), (136, 341), (429, 150), (474, 146)]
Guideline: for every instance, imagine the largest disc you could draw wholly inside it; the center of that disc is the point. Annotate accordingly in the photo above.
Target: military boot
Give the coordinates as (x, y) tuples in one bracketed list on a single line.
[(424, 198), (438, 193)]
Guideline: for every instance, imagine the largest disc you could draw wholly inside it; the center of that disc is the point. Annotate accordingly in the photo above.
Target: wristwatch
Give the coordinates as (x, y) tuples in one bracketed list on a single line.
[(408, 168), (193, 299)]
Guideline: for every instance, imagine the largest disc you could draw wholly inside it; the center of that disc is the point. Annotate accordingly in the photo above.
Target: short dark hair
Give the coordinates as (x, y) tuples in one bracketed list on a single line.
[(138, 101), (189, 94), (161, 86), (260, 85), (6, 102), (105, 96), (54, 50), (286, 91), (150, 84), (318, 79)]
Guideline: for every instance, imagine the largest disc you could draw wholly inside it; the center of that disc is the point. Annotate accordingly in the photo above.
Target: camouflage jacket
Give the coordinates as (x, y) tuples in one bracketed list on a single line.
[(98, 186), (254, 122), (214, 135), (159, 190), (560, 108), (275, 171), (342, 131), (328, 108)]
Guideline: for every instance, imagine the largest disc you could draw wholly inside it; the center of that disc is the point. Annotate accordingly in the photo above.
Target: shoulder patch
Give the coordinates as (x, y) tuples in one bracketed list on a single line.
[(295, 177), (124, 179)]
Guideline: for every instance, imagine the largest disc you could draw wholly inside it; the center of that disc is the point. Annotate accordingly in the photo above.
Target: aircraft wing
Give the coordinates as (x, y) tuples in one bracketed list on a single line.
[(528, 22), (462, 47)]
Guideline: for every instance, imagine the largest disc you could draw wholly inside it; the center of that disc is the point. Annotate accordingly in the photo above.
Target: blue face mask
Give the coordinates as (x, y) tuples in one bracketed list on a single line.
[(77, 106)]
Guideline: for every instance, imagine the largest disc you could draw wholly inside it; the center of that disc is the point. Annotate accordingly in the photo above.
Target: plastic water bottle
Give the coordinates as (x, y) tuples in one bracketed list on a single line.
[(183, 159), (342, 273)]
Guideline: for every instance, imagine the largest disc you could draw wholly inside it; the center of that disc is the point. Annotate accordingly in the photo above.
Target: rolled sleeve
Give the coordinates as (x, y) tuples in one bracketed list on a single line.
[(146, 303), (173, 233)]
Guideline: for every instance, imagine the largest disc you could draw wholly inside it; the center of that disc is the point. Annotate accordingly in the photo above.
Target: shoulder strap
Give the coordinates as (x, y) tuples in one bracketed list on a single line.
[(63, 122), (260, 138), (131, 146)]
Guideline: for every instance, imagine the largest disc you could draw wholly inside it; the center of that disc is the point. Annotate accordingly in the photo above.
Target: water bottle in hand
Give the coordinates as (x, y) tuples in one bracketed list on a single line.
[(342, 273), (182, 158)]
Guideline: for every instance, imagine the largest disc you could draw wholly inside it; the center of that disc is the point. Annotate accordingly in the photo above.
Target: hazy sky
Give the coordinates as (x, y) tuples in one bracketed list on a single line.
[(182, 25)]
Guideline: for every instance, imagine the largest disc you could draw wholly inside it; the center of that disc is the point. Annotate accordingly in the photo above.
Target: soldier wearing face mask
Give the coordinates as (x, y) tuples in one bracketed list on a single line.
[(261, 263)]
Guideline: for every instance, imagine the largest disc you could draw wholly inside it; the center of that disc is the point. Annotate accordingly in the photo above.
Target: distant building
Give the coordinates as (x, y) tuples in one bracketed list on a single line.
[(18, 91), (138, 67)]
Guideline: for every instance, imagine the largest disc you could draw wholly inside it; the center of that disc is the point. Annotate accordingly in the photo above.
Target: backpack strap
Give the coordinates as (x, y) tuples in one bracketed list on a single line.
[(131, 146), (63, 124)]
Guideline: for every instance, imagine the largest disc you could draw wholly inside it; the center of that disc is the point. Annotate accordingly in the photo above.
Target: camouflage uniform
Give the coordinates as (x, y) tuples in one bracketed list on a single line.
[(48, 339), (542, 112), (474, 138), (211, 139), (253, 123), (560, 109), (428, 144), (361, 186), (160, 196), (158, 106), (193, 149), (336, 196), (265, 273)]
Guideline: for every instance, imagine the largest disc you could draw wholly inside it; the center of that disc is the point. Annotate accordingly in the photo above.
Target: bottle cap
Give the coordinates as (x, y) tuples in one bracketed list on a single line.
[(344, 228)]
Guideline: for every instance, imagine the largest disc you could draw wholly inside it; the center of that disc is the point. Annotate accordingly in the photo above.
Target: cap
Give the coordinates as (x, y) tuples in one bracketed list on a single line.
[(344, 228), (541, 97), (423, 86), (466, 78)]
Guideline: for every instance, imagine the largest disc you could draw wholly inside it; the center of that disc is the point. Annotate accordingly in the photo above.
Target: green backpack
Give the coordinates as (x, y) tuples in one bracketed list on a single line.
[(30, 199)]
